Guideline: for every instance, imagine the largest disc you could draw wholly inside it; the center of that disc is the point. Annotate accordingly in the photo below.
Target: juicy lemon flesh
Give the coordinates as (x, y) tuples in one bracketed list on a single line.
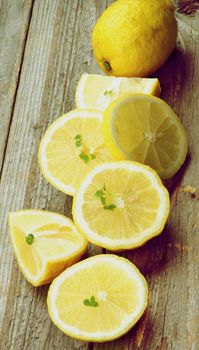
[(64, 167), (96, 91), (117, 292), (146, 130), (137, 202), (54, 245), (141, 207)]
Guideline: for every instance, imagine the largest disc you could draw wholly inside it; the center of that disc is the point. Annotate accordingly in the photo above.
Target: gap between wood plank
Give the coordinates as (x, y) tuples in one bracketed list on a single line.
[(16, 89)]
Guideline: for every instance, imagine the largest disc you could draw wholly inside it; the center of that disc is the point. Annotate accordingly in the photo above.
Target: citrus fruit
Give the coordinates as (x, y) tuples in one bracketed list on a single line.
[(121, 205), (135, 38), (71, 146), (98, 299), (145, 129), (44, 243), (97, 91)]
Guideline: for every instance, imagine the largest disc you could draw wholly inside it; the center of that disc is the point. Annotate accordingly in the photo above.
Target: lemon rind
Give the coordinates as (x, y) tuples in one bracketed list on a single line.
[(122, 244), (118, 153), (99, 336), (38, 280), (83, 113)]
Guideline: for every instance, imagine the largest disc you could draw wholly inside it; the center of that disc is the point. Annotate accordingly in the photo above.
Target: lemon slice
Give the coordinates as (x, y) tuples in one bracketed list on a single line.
[(145, 129), (121, 205), (97, 91), (71, 146), (44, 243), (98, 299)]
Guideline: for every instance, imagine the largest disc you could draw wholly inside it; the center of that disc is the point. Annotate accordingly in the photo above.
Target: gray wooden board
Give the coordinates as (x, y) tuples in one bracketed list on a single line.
[(14, 24), (52, 43)]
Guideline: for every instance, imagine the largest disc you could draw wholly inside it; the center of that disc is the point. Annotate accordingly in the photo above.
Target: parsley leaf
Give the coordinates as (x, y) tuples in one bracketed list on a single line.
[(101, 194), (84, 157), (91, 302), (30, 238)]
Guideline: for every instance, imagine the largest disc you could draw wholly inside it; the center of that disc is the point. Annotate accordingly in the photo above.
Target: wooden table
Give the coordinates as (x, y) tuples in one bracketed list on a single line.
[(45, 45)]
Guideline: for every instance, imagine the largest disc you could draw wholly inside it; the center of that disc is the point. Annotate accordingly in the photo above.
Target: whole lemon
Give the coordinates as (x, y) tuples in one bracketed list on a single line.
[(135, 37)]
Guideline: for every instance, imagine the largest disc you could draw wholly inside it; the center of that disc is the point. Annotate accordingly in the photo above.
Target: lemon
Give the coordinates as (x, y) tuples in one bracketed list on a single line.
[(71, 146), (44, 243), (97, 91), (135, 38), (121, 205), (145, 129), (98, 299)]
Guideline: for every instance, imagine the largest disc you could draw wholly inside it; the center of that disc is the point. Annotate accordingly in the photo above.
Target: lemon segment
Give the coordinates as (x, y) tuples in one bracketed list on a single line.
[(145, 129), (44, 244), (71, 146), (98, 299), (97, 91), (121, 205)]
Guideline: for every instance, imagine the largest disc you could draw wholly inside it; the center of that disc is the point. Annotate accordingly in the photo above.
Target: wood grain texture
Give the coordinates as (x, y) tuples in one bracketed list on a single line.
[(57, 51), (14, 24)]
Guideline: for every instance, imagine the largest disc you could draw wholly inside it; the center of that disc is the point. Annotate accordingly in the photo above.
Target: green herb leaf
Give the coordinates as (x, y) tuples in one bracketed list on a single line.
[(84, 157), (78, 137), (91, 302), (86, 302), (78, 143), (93, 156), (103, 200), (30, 238), (92, 299), (110, 207), (78, 140), (109, 92), (95, 304), (99, 193)]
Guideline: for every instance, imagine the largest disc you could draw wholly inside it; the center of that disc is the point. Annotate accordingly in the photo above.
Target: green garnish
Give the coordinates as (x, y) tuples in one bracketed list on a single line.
[(84, 157), (101, 194), (109, 92), (91, 302), (110, 207), (30, 238), (78, 140)]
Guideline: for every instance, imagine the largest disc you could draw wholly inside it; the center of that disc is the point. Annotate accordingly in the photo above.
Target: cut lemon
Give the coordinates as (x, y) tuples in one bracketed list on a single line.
[(44, 243), (71, 146), (98, 299), (97, 91), (121, 205), (145, 129)]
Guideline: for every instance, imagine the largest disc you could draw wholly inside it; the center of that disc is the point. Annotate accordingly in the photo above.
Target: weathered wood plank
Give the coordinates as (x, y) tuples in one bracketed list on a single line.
[(14, 24), (58, 50), (170, 262)]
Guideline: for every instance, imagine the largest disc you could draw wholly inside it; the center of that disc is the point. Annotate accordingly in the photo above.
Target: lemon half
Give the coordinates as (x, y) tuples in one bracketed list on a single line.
[(98, 299), (145, 129), (71, 146), (121, 205)]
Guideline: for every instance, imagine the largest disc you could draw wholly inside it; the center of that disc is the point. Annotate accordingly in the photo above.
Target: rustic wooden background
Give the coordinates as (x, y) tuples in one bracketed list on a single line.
[(45, 45)]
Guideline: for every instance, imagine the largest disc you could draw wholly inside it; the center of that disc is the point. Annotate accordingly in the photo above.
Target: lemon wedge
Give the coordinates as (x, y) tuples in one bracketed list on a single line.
[(44, 243), (97, 91)]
